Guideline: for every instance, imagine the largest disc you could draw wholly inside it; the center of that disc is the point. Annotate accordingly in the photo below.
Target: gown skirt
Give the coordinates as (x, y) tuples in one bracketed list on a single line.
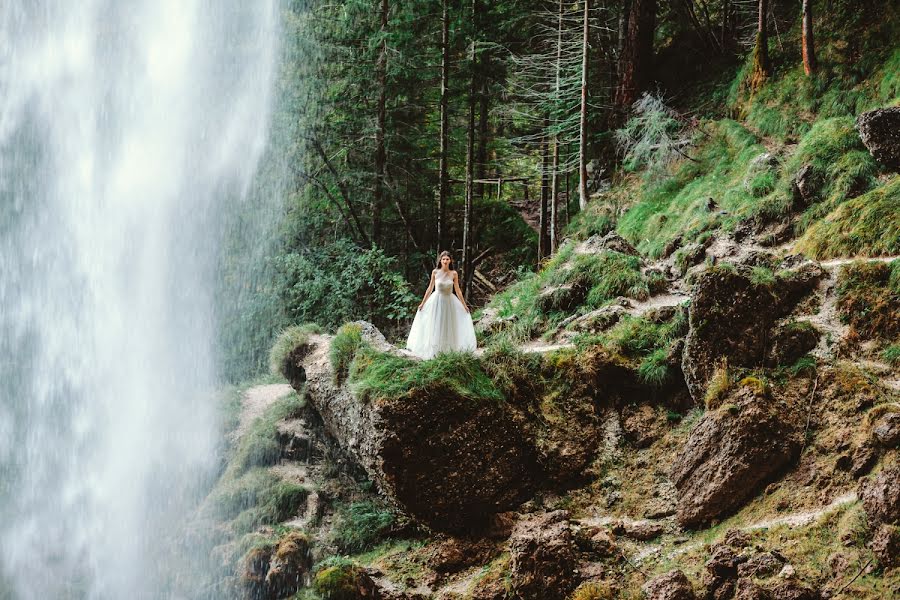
[(442, 325)]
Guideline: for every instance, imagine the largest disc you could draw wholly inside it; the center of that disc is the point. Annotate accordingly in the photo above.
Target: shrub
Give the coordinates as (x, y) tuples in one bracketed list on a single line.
[(361, 526), (339, 282), (343, 348), (653, 136), (286, 342)]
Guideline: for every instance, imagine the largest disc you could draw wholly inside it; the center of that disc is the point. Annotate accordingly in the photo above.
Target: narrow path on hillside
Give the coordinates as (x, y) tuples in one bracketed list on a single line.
[(255, 402), (791, 520)]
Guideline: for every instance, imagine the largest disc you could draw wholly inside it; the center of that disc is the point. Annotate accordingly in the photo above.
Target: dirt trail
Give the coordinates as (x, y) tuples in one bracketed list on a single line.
[(256, 400), (791, 520)]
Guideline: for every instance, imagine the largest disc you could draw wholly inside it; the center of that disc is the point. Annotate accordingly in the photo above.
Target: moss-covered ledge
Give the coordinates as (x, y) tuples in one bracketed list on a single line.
[(448, 449)]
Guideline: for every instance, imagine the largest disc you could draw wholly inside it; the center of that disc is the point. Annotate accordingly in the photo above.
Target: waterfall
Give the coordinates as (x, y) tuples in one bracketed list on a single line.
[(129, 131)]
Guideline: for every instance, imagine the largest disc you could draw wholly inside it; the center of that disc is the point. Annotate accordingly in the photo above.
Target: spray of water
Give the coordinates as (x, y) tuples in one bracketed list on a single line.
[(125, 128)]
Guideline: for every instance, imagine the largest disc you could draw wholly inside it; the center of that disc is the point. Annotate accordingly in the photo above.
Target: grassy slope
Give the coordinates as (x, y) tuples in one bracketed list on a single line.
[(798, 121)]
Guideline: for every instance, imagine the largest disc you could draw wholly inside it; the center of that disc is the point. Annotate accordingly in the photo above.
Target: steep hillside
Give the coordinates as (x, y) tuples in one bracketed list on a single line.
[(697, 395)]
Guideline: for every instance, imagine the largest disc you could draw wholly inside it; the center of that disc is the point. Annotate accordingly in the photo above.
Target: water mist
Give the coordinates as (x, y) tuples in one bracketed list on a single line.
[(127, 129)]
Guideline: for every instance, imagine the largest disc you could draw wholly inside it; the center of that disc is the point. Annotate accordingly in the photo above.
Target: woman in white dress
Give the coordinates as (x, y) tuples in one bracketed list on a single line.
[(442, 321)]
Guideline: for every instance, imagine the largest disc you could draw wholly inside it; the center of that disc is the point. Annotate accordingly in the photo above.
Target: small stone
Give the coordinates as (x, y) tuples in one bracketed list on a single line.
[(787, 572)]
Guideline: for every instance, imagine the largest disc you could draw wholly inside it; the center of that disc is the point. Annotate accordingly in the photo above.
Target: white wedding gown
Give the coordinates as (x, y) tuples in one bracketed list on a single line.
[(443, 323)]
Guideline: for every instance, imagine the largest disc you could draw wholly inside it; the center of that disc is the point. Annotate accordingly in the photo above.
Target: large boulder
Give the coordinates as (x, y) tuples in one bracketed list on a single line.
[(450, 462), (880, 132), (881, 496), (543, 555), (732, 313), (731, 453), (673, 585)]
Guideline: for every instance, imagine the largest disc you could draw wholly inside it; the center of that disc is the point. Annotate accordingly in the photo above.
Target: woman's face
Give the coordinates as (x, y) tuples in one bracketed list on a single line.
[(445, 262)]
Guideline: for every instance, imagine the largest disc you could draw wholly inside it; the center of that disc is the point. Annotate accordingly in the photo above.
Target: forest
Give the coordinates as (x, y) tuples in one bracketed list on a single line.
[(677, 222), (404, 128)]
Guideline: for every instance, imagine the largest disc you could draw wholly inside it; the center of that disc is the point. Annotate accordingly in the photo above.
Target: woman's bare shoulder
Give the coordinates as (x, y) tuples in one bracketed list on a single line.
[(455, 274)]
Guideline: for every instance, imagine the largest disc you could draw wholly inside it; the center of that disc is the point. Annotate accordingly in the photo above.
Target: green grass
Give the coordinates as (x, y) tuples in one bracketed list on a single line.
[(360, 526), (343, 348), (676, 205), (285, 343), (865, 226), (601, 277), (376, 375), (256, 497), (259, 446), (891, 355)]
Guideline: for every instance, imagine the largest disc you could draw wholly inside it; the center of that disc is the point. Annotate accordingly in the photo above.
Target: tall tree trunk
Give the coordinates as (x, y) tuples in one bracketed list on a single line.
[(554, 187), (582, 130), (809, 46), (637, 53), (470, 156), (380, 152), (723, 36), (484, 106), (543, 229), (444, 177), (761, 65)]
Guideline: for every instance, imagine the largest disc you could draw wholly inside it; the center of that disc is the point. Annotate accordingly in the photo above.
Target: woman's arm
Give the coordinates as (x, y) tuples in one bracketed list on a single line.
[(459, 293), (427, 292)]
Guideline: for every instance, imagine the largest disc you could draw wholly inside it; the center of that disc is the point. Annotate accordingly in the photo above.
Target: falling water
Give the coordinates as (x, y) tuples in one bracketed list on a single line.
[(126, 129)]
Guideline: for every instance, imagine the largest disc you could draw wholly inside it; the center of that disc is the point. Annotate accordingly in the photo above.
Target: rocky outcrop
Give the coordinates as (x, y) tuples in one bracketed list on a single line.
[(886, 545), (543, 557), (731, 316), (448, 461), (721, 572), (805, 186), (880, 132), (673, 585), (881, 496), (268, 573), (289, 564), (732, 453), (790, 342), (611, 241), (887, 430)]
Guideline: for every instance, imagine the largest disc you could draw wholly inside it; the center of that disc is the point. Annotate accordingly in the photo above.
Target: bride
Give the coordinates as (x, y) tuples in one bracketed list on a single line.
[(442, 321)]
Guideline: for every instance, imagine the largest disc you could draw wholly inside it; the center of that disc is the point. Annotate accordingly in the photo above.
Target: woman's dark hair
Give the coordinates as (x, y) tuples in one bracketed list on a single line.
[(442, 255)]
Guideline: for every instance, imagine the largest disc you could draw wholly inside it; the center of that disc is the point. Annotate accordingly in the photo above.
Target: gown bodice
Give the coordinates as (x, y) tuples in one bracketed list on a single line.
[(443, 285)]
